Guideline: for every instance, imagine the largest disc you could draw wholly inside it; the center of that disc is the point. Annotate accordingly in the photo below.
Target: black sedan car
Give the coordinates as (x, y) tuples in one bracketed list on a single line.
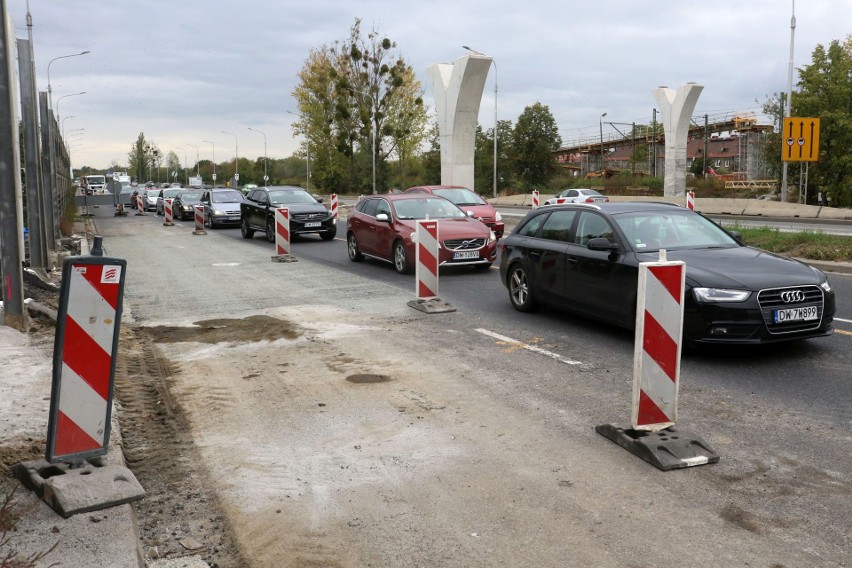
[(307, 215), (183, 206), (584, 258)]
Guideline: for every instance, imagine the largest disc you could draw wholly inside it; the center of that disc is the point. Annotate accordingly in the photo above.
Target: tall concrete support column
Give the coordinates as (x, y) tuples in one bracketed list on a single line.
[(676, 107), (458, 88)]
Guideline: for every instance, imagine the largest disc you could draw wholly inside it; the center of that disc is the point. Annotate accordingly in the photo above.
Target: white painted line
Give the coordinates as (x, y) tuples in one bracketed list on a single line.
[(843, 320), (528, 347)]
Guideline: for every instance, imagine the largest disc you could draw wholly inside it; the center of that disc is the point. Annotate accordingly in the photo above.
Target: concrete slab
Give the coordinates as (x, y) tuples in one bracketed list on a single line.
[(284, 258), (90, 487), (431, 306)]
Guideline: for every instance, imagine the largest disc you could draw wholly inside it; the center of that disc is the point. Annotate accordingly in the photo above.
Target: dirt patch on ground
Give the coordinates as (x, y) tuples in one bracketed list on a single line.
[(247, 330)]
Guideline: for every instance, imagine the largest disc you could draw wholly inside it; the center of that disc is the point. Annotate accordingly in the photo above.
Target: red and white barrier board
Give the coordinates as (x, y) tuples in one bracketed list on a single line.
[(659, 327), (334, 205), (535, 199), (282, 231), (690, 200), (87, 330), (199, 221), (426, 259), (167, 212), (140, 205)]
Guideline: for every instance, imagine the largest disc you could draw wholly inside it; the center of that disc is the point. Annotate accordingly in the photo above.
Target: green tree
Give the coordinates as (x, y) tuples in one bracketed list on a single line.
[(352, 92), (142, 158), (535, 138), (825, 92)]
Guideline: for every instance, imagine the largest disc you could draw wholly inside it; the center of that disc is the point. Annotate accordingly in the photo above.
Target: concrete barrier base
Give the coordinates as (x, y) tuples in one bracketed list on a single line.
[(431, 306), (71, 490)]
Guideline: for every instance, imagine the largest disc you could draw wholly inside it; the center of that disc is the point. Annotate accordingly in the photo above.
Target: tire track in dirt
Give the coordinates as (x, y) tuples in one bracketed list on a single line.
[(180, 514)]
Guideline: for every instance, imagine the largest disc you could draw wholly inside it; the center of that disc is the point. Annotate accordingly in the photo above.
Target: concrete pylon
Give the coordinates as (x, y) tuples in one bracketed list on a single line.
[(676, 107), (458, 90)]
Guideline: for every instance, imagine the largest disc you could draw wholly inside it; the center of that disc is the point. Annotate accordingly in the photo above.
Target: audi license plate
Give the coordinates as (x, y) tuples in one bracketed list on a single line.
[(805, 313), (466, 255), (313, 224)]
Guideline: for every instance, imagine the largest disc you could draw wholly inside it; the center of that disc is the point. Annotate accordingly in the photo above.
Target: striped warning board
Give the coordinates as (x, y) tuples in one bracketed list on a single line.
[(659, 326), (87, 329), (426, 258), (690, 200), (334, 212), (282, 231), (535, 199)]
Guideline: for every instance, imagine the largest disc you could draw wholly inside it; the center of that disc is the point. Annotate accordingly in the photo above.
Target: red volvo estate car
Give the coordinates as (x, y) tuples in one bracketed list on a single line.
[(383, 227), (467, 201)]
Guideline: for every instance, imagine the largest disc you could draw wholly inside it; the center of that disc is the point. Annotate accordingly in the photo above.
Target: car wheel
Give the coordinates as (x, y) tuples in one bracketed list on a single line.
[(270, 230), (245, 230), (328, 235), (352, 247), (520, 292), (400, 258)]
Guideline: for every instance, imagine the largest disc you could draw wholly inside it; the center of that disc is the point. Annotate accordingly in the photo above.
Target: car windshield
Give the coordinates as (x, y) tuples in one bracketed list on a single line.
[(226, 196), (652, 230), (170, 193), (153, 193), (194, 197), (284, 197), (460, 196), (588, 192), (434, 208)]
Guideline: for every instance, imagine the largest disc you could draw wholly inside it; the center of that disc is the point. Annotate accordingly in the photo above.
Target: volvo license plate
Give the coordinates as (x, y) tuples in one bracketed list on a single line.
[(804, 313), (466, 255)]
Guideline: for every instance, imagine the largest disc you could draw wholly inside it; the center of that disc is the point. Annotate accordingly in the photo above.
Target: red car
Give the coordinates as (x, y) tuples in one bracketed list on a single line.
[(382, 227), (467, 201)]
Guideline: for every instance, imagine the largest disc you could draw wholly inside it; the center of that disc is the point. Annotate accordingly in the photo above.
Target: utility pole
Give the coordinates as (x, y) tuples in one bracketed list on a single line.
[(11, 229)]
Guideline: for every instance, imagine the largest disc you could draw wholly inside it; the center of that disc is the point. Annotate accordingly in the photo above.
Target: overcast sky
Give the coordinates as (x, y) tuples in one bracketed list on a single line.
[(184, 71)]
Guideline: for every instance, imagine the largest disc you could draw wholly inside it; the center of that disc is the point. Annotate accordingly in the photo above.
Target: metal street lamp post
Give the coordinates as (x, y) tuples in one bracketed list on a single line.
[(196, 157), (214, 160), (59, 100), (63, 125), (265, 177), (236, 158), (603, 172), (308, 154), (495, 117), (49, 90)]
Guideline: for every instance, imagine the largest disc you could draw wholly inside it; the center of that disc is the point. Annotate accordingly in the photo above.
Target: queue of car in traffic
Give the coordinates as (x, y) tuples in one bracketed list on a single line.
[(579, 254)]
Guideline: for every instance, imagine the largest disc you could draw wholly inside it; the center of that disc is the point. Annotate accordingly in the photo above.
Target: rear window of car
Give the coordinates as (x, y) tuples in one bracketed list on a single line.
[(531, 227), (558, 226)]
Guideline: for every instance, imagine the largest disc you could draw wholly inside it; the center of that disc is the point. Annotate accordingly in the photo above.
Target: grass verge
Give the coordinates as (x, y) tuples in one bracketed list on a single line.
[(803, 244)]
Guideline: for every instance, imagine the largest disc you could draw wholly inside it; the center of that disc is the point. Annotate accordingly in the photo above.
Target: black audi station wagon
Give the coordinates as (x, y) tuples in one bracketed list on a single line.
[(584, 258)]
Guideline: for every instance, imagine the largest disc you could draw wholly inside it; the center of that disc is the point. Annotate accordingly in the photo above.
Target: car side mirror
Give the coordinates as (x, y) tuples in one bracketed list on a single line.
[(737, 235), (318, 198), (601, 243), (383, 217)]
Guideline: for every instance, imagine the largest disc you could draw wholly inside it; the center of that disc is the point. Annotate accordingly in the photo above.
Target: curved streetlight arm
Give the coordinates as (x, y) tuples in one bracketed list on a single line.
[(49, 89), (59, 100)]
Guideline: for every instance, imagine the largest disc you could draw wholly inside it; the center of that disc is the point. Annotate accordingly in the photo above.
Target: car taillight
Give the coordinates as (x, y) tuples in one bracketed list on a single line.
[(589, 200)]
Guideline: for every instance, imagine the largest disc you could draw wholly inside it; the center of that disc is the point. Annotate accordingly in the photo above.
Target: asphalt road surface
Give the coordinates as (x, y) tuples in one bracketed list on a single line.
[(474, 442)]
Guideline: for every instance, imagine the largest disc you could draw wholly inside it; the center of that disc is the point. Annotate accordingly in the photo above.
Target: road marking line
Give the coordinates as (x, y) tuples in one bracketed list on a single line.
[(843, 320), (528, 347), (843, 332)]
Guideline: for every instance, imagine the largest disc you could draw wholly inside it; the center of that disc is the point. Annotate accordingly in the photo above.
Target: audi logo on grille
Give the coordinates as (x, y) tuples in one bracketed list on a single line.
[(792, 296)]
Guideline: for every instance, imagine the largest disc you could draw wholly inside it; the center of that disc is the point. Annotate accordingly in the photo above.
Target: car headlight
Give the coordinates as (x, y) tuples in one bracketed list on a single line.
[(824, 284), (413, 237), (491, 236), (217, 212), (497, 216), (720, 295)]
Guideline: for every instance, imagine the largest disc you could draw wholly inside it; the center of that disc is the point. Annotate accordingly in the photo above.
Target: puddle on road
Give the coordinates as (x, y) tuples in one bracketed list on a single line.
[(245, 330), (367, 378)]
